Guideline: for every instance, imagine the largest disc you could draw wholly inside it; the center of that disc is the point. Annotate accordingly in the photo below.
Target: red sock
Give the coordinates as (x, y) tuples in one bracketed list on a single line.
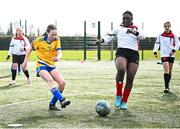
[(126, 95), (119, 86)]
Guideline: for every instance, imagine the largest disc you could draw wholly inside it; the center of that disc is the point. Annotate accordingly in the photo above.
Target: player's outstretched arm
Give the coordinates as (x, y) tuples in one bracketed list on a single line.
[(156, 46), (24, 64), (10, 50), (99, 41), (155, 54), (176, 47), (8, 57), (58, 57)]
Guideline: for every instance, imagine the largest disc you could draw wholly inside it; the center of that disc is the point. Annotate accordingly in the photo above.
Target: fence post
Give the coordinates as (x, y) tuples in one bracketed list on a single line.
[(85, 40), (142, 54), (25, 27), (20, 23), (112, 43), (142, 47), (99, 37)]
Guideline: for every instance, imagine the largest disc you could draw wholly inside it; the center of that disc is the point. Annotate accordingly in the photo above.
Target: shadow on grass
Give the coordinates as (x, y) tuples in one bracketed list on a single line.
[(2, 125), (7, 76), (122, 113), (116, 119), (6, 87), (28, 121), (169, 97), (125, 118)]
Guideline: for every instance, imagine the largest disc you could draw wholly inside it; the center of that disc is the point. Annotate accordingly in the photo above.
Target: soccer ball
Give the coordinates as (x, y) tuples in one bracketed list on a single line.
[(103, 108)]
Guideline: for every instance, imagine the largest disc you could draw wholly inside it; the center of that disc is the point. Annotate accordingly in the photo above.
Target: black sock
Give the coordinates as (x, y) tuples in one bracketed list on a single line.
[(26, 73), (13, 74), (166, 80), (169, 78)]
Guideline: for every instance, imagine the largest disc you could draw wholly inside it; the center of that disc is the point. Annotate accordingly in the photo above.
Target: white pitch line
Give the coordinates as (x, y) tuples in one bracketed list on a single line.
[(17, 103), (36, 100), (42, 99)]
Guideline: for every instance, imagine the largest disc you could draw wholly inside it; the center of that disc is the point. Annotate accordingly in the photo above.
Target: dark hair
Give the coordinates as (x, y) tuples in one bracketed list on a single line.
[(128, 12), (49, 28), (167, 23)]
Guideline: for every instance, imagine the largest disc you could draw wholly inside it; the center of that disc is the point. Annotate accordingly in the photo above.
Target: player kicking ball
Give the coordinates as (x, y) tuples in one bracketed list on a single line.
[(127, 57), (48, 50)]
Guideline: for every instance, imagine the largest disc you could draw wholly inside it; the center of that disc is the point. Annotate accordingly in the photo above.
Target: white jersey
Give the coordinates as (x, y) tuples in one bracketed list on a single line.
[(166, 44), (124, 39), (18, 46)]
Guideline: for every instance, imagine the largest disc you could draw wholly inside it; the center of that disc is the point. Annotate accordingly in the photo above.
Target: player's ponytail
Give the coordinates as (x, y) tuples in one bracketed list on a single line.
[(44, 34)]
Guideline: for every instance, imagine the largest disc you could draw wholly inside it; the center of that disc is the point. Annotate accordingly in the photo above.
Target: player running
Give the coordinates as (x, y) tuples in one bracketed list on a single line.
[(127, 57), (48, 50), (18, 46), (168, 43)]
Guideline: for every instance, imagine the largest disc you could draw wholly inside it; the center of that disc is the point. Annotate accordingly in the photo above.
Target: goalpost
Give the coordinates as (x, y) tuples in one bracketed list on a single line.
[(98, 48)]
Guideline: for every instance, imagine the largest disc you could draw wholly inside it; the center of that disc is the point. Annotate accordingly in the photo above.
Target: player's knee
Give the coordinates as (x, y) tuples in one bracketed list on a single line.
[(24, 70), (50, 81), (62, 84), (166, 70), (14, 66), (121, 71)]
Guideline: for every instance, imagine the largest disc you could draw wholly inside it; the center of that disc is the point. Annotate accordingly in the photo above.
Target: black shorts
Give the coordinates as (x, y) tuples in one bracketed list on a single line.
[(130, 55), (167, 59), (18, 59)]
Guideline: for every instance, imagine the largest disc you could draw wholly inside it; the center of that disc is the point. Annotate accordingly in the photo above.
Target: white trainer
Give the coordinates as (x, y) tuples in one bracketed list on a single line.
[(13, 82)]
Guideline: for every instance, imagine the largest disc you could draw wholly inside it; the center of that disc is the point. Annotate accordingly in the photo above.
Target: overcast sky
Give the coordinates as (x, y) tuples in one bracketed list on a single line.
[(70, 14)]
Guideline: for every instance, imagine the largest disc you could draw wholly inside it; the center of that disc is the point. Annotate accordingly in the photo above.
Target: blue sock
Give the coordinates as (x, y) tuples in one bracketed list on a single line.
[(53, 100), (19, 69), (57, 94)]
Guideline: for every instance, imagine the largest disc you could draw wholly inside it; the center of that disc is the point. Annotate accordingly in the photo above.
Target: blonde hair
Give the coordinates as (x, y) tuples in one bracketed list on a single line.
[(17, 28)]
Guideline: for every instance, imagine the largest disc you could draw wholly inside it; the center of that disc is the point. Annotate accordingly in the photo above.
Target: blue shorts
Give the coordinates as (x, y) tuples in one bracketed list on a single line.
[(49, 69)]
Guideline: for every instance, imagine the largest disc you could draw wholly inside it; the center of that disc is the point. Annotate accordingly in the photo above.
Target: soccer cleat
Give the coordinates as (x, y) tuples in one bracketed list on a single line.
[(53, 108), (166, 90), (29, 80), (123, 106), (13, 82), (117, 101), (64, 103)]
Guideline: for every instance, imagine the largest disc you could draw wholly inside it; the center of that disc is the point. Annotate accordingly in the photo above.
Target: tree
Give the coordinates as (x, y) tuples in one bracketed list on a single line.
[(1, 32), (10, 29)]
